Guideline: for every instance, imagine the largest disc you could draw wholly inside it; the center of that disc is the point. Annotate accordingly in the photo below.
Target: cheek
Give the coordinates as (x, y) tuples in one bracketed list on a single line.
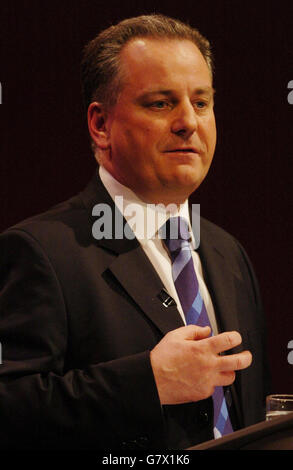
[(137, 140), (135, 133), (209, 133), (143, 144), (213, 128)]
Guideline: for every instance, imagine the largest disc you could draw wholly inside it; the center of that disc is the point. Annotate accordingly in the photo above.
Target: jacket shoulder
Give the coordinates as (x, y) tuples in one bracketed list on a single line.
[(216, 233), (60, 226)]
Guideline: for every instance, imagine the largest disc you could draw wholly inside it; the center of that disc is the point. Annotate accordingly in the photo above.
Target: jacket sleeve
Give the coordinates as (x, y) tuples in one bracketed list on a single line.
[(43, 405)]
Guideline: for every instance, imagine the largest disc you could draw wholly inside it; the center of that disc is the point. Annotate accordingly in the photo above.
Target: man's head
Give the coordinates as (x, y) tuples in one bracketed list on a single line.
[(152, 121), (100, 67)]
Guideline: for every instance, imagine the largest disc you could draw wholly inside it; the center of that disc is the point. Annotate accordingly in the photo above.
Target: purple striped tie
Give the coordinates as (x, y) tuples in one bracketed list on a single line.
[(175, 234)]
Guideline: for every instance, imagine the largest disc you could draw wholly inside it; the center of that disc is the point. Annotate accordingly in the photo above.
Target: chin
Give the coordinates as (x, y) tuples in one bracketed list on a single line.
[(188, 180), (178, 192)]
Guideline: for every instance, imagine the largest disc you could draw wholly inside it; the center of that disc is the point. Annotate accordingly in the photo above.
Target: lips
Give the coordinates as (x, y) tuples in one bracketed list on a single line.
[(183, 150)]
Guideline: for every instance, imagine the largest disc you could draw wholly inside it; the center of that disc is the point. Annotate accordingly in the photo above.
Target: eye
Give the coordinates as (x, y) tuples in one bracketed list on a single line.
[(160, 104), (201, 104)]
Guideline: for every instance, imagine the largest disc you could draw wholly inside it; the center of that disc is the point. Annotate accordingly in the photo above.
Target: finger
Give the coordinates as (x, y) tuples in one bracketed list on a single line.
[(225, 379), (192, 332), (234, 361), (225, 341)]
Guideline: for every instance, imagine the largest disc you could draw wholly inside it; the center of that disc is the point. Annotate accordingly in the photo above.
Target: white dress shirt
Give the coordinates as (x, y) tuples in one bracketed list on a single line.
[(145, 221)]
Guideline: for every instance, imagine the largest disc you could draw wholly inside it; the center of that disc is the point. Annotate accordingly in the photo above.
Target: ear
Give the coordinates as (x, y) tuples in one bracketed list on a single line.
[(96, 116)]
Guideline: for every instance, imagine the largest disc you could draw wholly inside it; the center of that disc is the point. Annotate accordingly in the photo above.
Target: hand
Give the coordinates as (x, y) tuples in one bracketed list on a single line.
[(187, 364)]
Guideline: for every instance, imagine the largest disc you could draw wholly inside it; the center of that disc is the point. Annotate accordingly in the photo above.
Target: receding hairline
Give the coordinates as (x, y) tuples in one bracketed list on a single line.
[(109, 44), (122, 72), (164, 39)]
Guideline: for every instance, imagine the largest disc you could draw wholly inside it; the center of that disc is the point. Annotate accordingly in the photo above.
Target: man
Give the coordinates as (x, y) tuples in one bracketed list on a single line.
[(97, 349)]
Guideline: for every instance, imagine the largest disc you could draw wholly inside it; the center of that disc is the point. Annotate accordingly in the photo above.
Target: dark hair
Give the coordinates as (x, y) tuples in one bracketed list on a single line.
[(100, 66)]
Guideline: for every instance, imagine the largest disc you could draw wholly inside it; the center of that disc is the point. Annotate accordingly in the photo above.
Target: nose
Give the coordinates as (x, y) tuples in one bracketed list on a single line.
[(185, 122)]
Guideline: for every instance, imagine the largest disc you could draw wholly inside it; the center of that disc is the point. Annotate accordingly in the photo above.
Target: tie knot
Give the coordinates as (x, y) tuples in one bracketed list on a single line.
[(175, 234)]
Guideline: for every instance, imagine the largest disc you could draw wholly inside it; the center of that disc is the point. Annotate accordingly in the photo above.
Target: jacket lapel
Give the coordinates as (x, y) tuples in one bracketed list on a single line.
[(136, 274), (130, 265), (221, 282)]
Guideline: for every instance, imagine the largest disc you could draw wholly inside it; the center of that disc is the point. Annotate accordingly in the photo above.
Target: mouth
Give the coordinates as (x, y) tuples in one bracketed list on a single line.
[(183, 150)]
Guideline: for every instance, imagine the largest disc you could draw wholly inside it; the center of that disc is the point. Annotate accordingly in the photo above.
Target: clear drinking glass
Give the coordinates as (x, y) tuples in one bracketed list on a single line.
[(278, 405)]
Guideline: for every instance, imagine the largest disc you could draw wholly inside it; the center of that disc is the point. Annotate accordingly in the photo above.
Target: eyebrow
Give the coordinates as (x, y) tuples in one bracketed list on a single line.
[(201, 91), (198, 91)]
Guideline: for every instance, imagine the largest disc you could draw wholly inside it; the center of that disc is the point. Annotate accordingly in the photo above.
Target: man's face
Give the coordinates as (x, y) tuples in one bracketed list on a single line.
[(161, 131)]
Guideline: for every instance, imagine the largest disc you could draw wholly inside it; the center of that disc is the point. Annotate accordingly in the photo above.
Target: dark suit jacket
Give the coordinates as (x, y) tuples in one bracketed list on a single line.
[(78, 318)]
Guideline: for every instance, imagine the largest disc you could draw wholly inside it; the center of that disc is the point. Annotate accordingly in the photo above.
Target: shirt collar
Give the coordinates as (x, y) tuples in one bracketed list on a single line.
[(144, 219)]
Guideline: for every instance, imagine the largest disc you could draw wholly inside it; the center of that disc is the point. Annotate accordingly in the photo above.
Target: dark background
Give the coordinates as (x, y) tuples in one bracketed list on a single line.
[(45, 155)]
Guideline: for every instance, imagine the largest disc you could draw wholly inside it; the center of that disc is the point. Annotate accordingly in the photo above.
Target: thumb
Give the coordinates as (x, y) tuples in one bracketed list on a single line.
[(202, 332), (194, 332)]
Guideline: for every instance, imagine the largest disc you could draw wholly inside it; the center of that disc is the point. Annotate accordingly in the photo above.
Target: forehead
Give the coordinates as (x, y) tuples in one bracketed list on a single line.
[(147, 62)]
